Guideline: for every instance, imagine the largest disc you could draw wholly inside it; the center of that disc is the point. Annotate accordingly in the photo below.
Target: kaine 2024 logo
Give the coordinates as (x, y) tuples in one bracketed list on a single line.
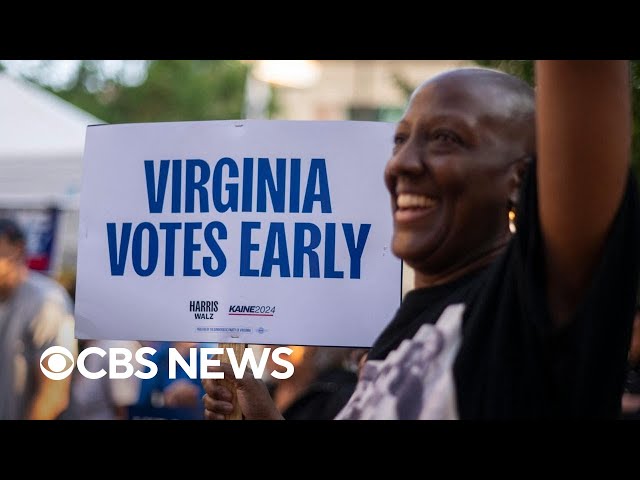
[(203, 309), (252, 310)]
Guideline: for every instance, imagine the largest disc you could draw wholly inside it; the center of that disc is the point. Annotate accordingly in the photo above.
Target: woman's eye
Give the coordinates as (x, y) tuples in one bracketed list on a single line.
[(446, 137), (399, 139)]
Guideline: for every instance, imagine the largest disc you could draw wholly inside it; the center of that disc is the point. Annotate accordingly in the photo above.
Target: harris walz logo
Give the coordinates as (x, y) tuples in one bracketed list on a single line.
[(203, 309)]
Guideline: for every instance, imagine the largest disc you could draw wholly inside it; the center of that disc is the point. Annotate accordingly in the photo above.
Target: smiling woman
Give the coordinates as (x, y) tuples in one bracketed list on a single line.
[(454, 174), (530, 324), (485, 295)]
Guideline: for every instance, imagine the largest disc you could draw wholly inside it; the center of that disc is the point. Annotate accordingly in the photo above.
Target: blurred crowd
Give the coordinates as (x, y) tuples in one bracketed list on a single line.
[(36, 312)]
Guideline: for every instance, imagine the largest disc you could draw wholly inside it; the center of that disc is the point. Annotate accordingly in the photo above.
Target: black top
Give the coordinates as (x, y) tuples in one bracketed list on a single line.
[(632, 382), (512, 362), (632, 386), (424, 305), (325, 397)]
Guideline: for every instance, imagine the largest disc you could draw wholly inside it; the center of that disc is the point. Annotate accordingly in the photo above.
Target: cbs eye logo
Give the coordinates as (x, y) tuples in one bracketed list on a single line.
[(54, 366)]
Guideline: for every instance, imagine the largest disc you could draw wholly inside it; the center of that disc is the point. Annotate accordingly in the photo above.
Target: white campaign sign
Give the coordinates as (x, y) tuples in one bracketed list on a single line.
[(249, 231)]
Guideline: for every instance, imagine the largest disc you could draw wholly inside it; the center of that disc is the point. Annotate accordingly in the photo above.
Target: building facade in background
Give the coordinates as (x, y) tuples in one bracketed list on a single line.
[(360, 89), (375, 90)]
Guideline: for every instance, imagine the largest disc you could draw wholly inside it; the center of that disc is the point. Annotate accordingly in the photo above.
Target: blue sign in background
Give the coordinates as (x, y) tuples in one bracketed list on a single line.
[(164, 413), (39, 225)]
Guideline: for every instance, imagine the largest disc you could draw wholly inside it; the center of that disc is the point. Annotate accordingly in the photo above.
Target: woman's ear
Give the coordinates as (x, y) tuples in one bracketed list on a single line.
[(517, 171)]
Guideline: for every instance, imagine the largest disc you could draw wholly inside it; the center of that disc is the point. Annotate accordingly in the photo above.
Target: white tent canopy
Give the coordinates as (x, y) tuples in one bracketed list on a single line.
[(41, 142), (41, 148)]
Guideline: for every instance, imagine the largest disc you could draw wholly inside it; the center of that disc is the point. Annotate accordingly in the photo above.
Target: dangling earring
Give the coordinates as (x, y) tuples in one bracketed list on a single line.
[(512, 220)]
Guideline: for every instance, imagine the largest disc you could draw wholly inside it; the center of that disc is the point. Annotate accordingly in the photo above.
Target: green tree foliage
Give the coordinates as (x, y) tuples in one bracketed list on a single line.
[(174, 90), (402, 84), (524, 69)]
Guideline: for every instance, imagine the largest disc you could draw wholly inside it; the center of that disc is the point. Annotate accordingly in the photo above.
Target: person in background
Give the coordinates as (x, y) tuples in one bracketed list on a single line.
[(164, 397), (631, 395), (35, 314), (102, 398)]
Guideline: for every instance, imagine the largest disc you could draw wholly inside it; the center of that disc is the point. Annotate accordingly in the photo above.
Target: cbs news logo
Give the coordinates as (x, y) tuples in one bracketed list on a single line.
[(57, 363)]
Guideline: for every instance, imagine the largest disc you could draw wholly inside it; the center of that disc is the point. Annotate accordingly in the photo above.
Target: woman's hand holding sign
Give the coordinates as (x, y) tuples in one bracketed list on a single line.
[(252, 396)]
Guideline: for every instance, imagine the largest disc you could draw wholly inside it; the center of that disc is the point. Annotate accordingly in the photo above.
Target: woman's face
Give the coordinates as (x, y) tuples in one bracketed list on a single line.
[(450, 175)]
